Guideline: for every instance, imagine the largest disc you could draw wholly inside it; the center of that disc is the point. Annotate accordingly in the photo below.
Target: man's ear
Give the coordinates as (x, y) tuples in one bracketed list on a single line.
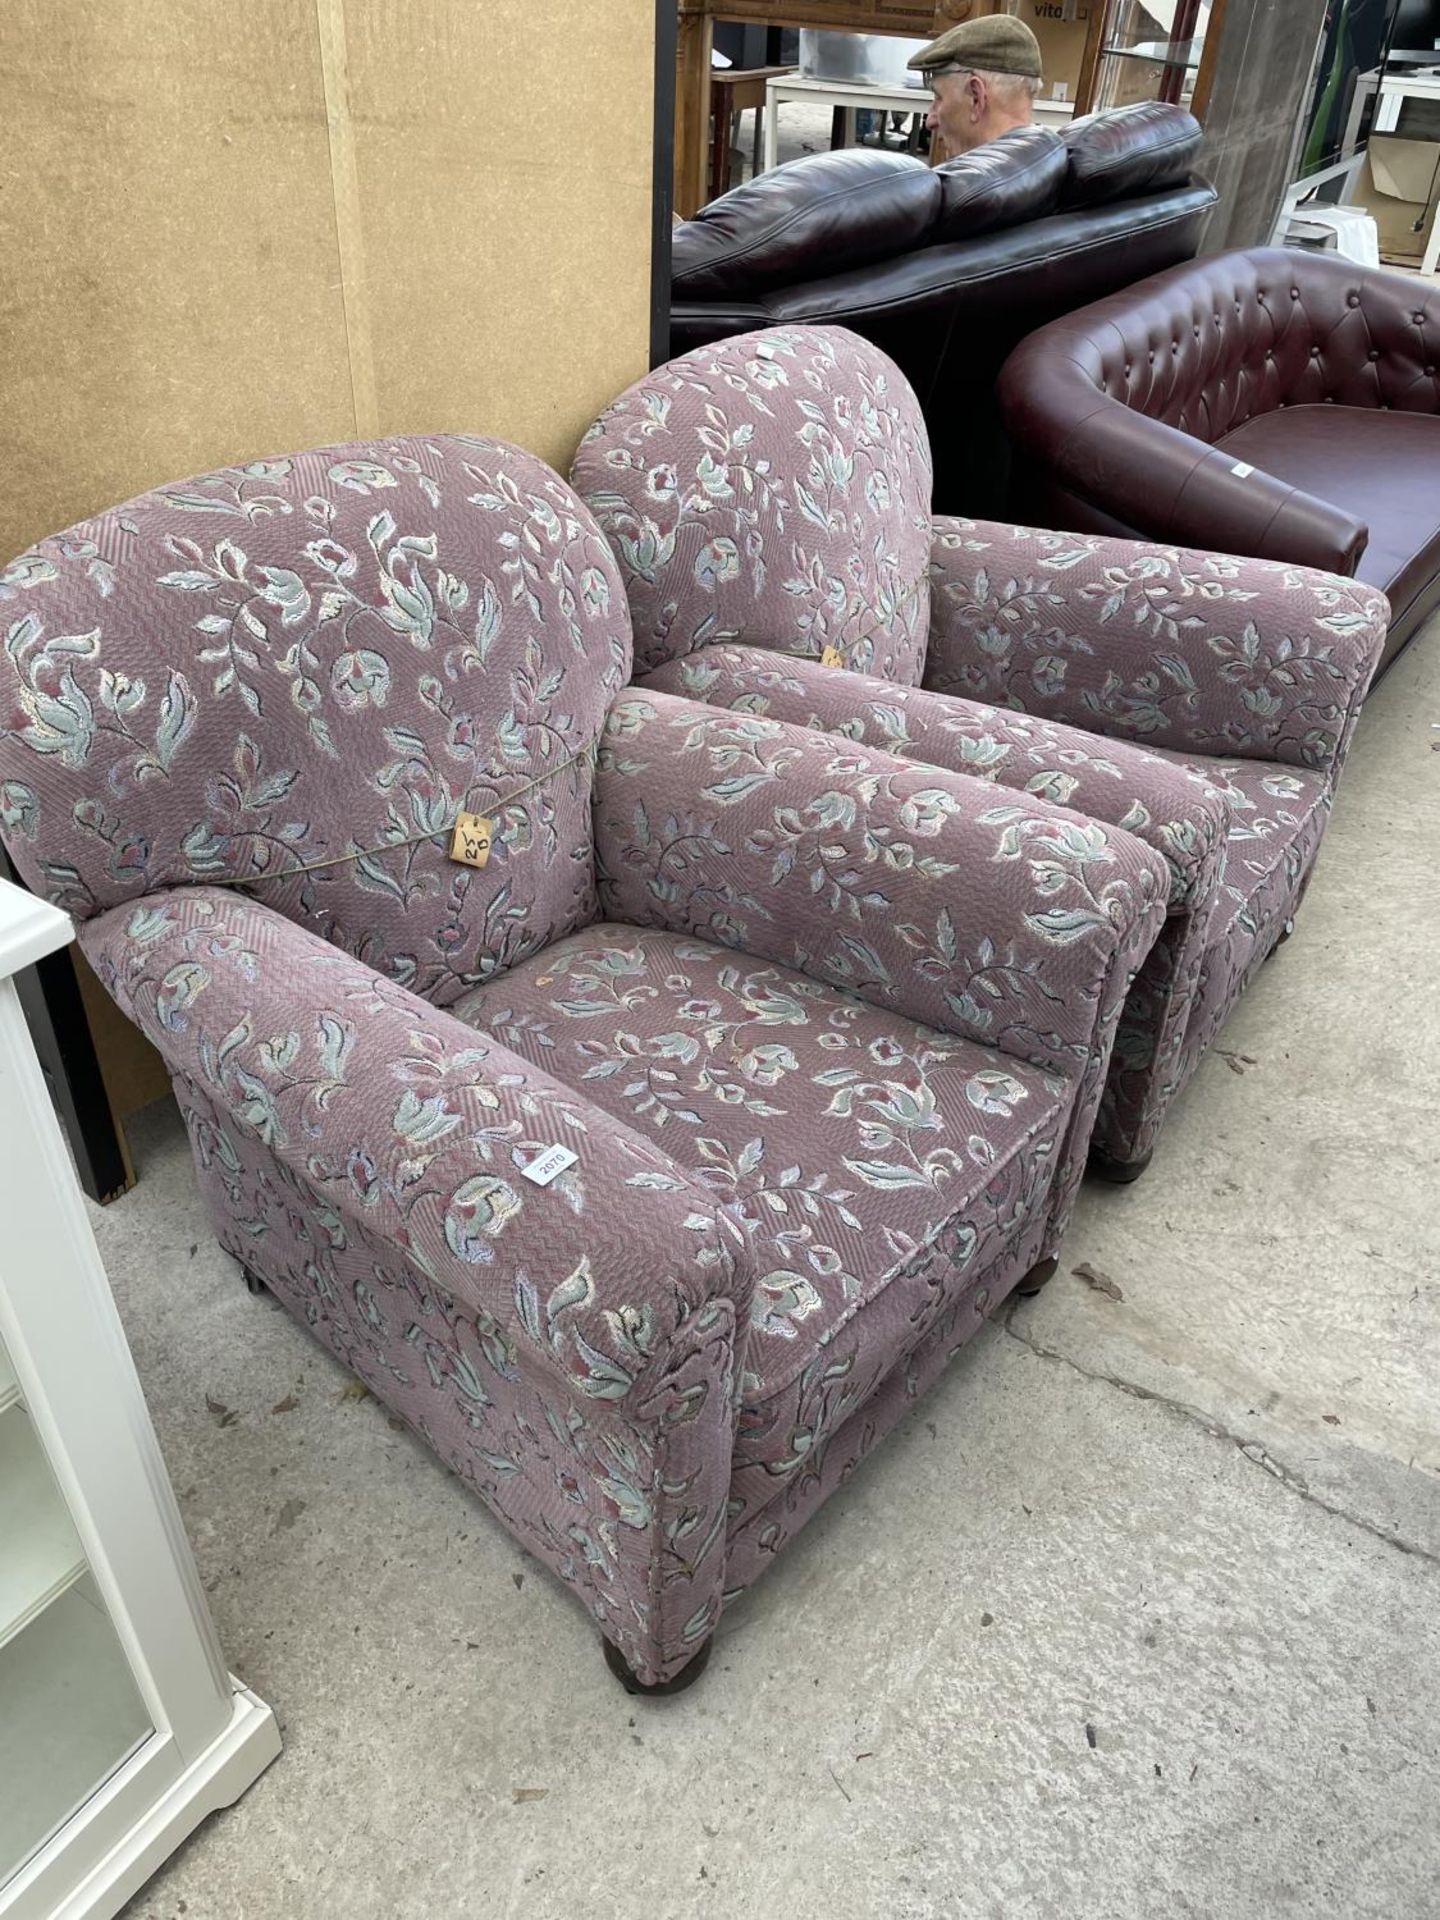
[(979, 95)]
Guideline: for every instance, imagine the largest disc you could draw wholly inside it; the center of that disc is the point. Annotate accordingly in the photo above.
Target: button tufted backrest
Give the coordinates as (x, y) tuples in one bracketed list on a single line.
[(772, 489), (292, 676), (1207, 346)]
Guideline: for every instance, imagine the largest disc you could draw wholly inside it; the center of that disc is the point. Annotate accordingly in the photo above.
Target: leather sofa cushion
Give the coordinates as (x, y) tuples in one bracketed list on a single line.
[(1010, 180), (846, 209), (1133, 150), (1380, 465)]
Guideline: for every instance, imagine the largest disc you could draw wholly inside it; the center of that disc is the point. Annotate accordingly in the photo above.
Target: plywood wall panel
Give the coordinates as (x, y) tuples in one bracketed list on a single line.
[(167, 231), (231, 228), (503, 167)]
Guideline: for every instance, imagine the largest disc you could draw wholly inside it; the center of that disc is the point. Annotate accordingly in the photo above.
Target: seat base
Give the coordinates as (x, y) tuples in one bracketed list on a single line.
[(1379, 464), (677, 1683), (253, 1282)]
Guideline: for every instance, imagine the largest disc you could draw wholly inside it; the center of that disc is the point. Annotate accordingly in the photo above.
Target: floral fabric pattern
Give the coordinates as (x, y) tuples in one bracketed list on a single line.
[(858, 1152), (1201, 652), (1171, 806), (775, 489), (273, 675), (630, 1510), (889, 880), (761, 1529), (1109, 676), (242, 716)]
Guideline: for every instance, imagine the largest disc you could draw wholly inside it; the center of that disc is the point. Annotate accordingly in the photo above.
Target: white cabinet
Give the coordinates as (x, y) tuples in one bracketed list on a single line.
[(120, 1729)]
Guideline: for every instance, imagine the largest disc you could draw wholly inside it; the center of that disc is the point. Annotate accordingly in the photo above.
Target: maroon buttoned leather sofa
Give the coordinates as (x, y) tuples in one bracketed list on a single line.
[(1273, 402)]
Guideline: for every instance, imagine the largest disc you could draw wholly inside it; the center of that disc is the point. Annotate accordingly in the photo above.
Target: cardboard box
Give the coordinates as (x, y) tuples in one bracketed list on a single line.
[(1397, 185), (1060, 26)]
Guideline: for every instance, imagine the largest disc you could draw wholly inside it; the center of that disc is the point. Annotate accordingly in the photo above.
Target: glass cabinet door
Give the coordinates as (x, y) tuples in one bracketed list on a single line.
[(70, 1711), (1151, 50)]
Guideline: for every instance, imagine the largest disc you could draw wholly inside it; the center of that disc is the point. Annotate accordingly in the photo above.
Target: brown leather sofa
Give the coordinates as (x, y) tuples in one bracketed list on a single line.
[(947, 268), (1275, 403)]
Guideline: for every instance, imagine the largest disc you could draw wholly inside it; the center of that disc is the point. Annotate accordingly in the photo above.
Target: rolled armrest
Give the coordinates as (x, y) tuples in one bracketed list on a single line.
[(1170, 808), (417, 1128), (1192, 650), (1165, 483), (996, 916)]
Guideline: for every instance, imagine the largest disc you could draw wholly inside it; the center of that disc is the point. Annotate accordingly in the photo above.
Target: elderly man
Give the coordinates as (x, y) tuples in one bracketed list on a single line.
[(984, 76)]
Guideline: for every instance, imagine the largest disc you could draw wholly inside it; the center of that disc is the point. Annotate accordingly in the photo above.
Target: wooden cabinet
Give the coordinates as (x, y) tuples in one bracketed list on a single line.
[(1151, 50)]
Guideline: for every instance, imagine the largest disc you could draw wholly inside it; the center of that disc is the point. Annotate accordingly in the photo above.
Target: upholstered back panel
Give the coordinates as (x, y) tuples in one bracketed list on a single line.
[(1210, 345), (292, 676), (773, 488), (1001, 184)]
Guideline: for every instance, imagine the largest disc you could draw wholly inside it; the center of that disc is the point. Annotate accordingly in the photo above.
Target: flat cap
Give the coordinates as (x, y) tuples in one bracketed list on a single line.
[(997, 44)]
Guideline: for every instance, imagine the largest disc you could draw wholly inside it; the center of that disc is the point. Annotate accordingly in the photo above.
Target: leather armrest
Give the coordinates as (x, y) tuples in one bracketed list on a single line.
[(1166, 484)]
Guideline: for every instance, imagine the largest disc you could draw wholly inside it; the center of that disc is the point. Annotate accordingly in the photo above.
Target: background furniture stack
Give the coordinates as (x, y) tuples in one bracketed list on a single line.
[(915, 19), (734, 91), (947, 268)]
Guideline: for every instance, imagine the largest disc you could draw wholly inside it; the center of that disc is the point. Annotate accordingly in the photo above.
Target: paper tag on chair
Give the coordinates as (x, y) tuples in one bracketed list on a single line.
[(474, 833), (832, 657), (549, 1165)]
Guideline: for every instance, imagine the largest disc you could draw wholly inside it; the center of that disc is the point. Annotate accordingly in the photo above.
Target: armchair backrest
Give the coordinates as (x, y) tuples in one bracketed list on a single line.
[(293, 676), (1207, 346), (771, 489)]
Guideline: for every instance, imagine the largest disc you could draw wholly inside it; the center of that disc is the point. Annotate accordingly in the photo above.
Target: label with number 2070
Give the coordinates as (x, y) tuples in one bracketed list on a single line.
[(549, 1165)]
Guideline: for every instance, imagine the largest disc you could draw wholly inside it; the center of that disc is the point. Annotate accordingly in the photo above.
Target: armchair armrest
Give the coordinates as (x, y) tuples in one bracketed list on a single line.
[(1165, 483), (1201, 652), (416, 1128), (998, 917), (1170, 808)]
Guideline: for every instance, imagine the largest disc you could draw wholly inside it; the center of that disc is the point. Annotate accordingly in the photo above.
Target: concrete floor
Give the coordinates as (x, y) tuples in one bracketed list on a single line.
[(1138, 1614)]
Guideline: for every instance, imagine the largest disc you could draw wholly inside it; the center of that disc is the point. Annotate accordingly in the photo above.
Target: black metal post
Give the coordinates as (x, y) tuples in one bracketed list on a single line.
[(663, 189)]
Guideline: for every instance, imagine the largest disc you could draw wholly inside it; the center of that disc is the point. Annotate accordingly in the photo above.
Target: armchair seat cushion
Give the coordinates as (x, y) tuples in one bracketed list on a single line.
[(879, 1167), (1379, 465)]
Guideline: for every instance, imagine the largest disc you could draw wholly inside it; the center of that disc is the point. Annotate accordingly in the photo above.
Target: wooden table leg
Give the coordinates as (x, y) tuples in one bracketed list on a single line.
[(719, 175), (695, 40)]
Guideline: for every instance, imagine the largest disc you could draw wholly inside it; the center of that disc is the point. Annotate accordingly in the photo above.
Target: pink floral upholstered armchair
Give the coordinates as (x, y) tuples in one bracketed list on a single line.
[(768, 499), (644, 1100)]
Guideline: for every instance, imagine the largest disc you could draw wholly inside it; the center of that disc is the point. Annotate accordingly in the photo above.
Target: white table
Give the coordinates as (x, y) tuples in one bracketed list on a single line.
[(857, 97), (1423, 83)]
